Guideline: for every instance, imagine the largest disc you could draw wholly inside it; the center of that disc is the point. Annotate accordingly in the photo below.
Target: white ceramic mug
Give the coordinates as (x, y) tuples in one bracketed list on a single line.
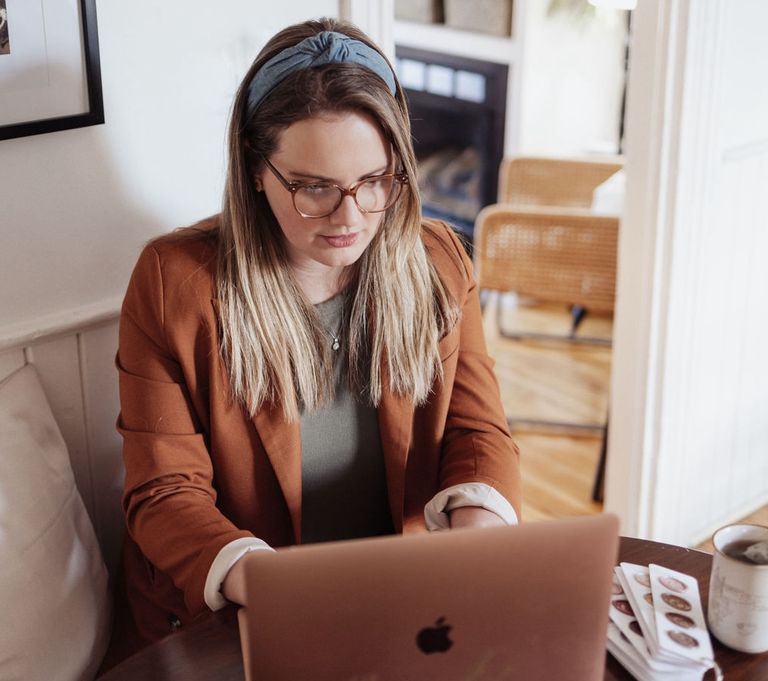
[(738, 591)]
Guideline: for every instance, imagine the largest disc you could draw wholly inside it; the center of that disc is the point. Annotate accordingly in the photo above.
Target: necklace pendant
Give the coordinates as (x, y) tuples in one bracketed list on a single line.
[(335, 345)]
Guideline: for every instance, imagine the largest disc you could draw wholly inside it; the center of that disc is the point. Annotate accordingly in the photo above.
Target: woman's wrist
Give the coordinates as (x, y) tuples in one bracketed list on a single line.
[(234, 588), (473, 516)]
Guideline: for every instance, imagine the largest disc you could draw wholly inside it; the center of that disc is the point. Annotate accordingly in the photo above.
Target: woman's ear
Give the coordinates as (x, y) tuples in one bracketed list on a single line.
[(258, 181), (251, 157)]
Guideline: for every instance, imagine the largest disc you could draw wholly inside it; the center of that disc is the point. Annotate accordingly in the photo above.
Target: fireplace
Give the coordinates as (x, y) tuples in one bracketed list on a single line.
[(457, 115)]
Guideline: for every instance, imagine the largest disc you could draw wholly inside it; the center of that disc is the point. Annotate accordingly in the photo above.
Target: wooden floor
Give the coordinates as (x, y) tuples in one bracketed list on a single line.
[(552, 380), (561, 381)]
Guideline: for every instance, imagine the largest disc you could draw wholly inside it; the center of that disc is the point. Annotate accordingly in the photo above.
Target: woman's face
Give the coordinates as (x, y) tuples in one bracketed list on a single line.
[(339, 148)]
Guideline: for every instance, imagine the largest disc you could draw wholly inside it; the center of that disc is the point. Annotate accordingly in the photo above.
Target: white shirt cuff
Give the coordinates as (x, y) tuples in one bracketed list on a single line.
[(466, 494), (222, 564)]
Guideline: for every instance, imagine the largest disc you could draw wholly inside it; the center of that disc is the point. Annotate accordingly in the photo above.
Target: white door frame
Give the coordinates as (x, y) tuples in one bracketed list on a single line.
[(654, 104), (375, 17)]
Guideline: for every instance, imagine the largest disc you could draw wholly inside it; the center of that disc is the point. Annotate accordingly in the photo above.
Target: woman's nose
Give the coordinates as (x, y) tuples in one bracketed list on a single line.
[(347, 213)]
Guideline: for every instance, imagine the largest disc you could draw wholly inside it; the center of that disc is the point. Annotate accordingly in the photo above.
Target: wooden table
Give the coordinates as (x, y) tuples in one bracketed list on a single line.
[(210, 648)]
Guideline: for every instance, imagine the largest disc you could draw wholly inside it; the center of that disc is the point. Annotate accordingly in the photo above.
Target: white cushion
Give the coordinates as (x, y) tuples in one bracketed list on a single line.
[(54, 603)]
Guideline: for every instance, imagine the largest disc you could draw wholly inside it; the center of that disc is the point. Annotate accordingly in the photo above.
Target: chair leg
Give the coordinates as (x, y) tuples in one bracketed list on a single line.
[(598, 488), (577, 316)]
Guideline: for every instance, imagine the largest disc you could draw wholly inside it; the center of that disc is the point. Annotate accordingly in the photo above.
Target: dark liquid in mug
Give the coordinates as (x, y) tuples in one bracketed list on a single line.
[(736, 550)]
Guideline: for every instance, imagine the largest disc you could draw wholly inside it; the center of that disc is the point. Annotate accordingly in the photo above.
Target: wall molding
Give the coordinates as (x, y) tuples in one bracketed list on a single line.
[(60, 323)]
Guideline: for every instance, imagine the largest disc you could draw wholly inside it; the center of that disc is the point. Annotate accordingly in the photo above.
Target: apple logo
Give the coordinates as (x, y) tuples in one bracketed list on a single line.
[(434, 639)]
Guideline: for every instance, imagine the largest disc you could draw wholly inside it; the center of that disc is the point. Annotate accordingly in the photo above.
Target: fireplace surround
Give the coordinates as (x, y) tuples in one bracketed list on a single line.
[(457, 107)]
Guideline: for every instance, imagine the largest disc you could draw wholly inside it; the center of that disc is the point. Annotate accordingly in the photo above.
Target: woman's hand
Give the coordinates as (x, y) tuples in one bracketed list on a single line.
[(473, 516)]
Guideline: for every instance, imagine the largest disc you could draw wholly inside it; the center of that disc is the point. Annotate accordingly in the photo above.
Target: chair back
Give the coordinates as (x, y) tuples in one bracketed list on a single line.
[(552, 255), (533, 181)]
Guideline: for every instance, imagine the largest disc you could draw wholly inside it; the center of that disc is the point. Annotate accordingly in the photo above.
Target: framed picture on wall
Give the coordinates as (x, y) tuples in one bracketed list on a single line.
[(50, 77)]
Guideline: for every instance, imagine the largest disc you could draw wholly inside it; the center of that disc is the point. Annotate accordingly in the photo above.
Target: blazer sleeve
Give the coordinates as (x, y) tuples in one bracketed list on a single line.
[(477, 445), (169, 499)]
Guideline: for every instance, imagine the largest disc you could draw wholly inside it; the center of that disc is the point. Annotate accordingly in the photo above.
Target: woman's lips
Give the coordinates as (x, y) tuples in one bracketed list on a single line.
[(342, 240)]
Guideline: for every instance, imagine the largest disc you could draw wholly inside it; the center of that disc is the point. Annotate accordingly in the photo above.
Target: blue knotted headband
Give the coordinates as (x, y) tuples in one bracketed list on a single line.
[(328, 47)]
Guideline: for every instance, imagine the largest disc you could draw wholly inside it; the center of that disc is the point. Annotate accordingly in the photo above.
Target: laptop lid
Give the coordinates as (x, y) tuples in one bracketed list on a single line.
[(494, 604)]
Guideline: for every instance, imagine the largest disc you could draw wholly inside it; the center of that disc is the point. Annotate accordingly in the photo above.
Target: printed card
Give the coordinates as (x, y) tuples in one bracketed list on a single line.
[(680, 624), (657, 628), (625, 653), (622, 614), (637, 585)]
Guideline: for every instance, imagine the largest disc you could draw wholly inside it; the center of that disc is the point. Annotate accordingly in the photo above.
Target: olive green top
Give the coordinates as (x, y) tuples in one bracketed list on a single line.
[(344, 488)]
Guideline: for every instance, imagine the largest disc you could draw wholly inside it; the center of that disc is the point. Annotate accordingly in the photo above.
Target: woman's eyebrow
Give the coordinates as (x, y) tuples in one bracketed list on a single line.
[(312, 176)]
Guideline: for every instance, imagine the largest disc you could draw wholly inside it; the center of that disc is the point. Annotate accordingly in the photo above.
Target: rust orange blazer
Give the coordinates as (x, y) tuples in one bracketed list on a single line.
[(201, 473)]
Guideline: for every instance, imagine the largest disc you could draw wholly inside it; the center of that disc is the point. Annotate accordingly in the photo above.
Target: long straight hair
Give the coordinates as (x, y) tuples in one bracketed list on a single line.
[(396, 307)]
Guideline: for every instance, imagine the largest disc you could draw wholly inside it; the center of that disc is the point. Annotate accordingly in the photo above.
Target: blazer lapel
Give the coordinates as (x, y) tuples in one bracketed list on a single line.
[(282, 443), (395, 418)]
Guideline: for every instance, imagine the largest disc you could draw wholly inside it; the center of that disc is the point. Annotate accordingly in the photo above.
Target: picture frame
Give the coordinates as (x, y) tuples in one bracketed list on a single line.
[(50, 73)]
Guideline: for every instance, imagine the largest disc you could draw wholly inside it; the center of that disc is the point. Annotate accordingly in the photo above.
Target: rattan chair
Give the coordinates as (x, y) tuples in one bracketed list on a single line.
[(541, 241)]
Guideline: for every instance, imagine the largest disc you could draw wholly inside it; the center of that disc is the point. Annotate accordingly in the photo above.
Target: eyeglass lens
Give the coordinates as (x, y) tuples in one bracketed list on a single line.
[(373, 195)]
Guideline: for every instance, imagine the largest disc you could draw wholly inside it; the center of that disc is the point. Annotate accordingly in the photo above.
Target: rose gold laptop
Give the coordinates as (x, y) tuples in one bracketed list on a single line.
[(498, 604)]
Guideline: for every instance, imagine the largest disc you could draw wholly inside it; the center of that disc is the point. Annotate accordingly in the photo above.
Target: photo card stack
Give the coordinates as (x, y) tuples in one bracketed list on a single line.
[(657, 629)]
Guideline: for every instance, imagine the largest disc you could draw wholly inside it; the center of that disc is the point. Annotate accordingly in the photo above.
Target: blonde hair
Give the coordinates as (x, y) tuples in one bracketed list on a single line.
[(397, 309)]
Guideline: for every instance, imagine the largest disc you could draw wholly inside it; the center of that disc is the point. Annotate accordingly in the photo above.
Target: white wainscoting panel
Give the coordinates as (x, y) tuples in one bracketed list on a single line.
[(102, 406), (78, 375)]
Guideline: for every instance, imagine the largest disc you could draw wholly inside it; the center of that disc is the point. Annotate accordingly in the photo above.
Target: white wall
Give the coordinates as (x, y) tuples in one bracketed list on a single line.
[(76, 205), (689, 415), (572, 81)]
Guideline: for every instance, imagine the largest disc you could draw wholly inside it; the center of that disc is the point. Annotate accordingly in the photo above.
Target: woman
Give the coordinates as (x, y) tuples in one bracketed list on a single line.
[(309, 365)]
